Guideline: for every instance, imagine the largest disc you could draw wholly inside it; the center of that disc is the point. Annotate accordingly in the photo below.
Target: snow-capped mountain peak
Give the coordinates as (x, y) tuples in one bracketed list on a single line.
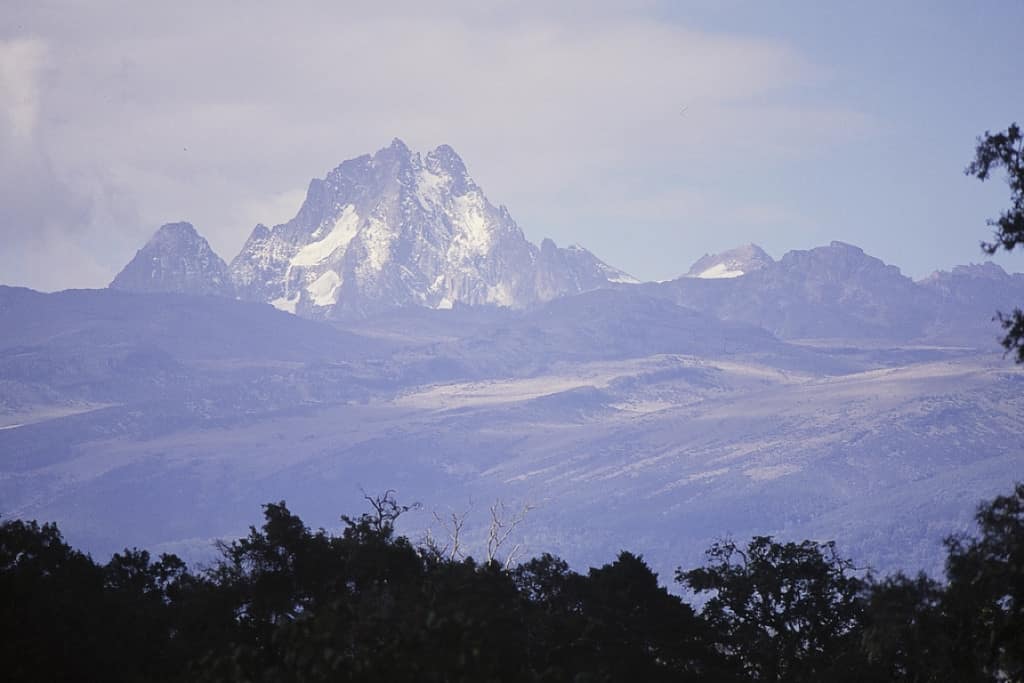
[(730, 264), (396, 229)]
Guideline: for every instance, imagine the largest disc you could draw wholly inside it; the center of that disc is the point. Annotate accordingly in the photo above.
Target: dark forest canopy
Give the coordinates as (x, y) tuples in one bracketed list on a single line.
[(287, 603)]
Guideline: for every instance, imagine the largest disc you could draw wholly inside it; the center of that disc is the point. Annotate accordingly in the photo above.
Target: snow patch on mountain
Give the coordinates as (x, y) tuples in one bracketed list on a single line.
[(719, 271), (286, 304), (324, 290), (377, 237), (430, 188), (475, 236), (341, 234)]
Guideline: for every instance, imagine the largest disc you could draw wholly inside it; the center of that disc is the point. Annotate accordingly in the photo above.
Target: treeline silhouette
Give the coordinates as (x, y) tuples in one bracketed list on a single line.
[(287, 603)]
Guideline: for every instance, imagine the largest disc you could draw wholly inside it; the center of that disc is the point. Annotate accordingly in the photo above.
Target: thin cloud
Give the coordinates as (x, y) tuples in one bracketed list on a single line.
[(21, 60)]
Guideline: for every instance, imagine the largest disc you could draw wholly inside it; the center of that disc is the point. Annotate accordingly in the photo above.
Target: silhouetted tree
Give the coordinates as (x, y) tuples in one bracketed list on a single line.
[(985, 597), (137, 596), (63, 617), (637, 630), (784, 611), (555, 622), (286, 603), (907, 633), (1005, 150)]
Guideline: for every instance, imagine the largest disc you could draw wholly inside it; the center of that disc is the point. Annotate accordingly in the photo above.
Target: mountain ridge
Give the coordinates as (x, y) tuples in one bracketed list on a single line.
[(396, 229)]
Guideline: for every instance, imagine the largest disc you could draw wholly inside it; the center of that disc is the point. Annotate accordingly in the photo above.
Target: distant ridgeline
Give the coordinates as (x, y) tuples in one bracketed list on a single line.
[(395, 230), (289, 603)]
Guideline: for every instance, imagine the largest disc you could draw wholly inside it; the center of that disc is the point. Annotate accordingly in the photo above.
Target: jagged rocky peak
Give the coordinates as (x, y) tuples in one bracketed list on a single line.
[(730, 264), (395, 229), (573, 269), (176, 259), (445, 162)]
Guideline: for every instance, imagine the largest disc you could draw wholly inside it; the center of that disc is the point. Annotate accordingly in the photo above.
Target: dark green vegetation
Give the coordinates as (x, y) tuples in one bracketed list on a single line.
[(1005, 150), (287, 603)]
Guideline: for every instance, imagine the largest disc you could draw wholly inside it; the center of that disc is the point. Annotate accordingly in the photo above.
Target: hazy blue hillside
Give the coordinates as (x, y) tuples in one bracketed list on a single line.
[(628, 421)]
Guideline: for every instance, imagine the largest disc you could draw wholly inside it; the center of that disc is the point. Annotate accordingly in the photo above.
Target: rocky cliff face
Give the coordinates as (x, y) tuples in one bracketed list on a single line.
[(176, 259)]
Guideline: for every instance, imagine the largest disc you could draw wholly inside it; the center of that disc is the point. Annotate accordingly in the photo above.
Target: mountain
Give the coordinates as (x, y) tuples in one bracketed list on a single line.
[(395, 229), (969, 296), (730, 264), (835, 291), (176, 259)]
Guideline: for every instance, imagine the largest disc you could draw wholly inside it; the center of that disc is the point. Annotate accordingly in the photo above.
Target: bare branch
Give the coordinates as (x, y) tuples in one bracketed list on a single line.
[(501, 528), (386, 511), (452, 525)]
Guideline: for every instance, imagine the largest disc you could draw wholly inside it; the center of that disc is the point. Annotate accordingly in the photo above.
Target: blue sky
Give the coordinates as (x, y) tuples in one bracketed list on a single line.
[(804, 122), (931, 76)]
